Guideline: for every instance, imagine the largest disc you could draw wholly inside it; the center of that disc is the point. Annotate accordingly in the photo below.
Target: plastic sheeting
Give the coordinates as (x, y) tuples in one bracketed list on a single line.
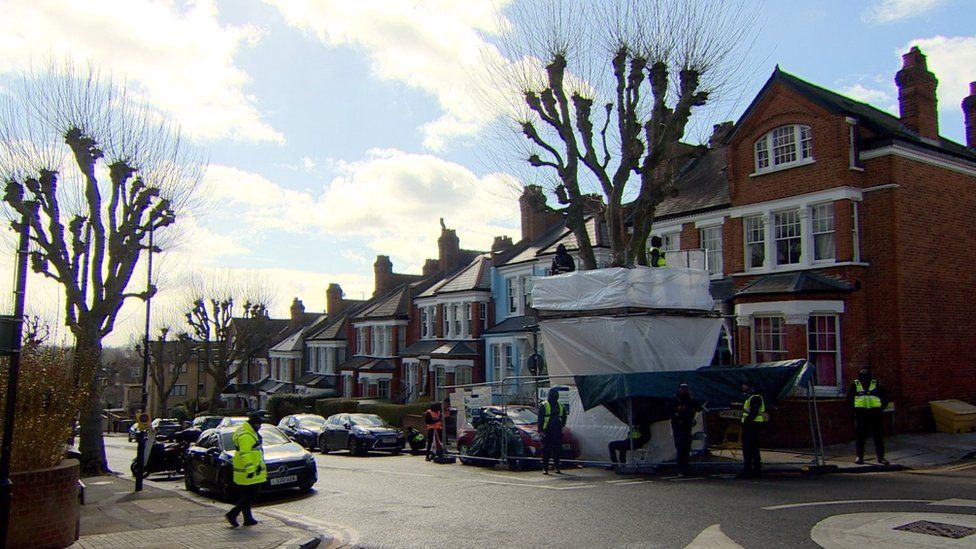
[(616, 288), (620, 345)]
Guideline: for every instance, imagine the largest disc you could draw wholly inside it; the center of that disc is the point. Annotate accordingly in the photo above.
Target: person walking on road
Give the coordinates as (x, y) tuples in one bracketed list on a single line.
[(434, 421), (753, 418), (249, 469), (552, 419), (683, 410), (868, 400)]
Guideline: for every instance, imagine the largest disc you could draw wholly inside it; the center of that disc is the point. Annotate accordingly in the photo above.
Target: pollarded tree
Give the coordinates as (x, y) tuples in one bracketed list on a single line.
[(228, 317), (93, 172), (606, 90)]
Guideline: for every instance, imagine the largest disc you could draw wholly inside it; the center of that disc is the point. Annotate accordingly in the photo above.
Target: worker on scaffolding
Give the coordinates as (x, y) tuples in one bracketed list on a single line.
[(655, 256), (552, 419), (562, 262), (434, 420)]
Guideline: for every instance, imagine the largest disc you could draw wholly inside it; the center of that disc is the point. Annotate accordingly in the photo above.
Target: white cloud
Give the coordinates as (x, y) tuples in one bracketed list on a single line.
[(885, 99), (952, 60), (889, 11), (176, 54), (391, 199), (432, 45)]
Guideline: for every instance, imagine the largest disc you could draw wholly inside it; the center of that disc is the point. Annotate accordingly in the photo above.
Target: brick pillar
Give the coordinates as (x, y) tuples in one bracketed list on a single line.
[(476, 318), (796, 336), (844, 230), (439, 321), (733, 251), (395, 337), (690, 237)]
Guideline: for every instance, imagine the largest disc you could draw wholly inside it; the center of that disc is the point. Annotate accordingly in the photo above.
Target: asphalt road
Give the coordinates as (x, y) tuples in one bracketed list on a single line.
[(404, 501)]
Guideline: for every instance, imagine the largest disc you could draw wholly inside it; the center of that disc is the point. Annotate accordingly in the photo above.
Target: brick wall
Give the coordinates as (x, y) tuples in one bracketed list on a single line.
[(45, 507)]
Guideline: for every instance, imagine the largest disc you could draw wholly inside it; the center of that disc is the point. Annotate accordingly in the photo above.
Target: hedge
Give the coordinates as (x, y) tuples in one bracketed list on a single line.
[(391, 413), (283, 405)]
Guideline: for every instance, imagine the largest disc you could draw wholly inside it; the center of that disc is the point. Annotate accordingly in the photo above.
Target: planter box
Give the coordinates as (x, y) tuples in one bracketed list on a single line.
[(45, 507)]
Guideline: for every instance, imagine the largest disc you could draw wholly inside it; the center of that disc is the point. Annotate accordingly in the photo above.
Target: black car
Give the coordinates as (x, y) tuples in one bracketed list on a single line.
[(303, 428), (165, 428), (209, 462), (360, 433)]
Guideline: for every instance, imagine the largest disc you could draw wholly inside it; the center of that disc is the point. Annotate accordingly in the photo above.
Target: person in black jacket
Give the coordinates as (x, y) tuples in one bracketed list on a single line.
[(552, 419), (562, 262), (868, 400), (682, 410)]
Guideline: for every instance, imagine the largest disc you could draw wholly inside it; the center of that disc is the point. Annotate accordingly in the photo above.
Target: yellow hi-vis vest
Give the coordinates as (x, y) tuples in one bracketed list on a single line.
[(661, 261), (760, 416), (866, 399), (249, 467), (547, 413), (635, 433)]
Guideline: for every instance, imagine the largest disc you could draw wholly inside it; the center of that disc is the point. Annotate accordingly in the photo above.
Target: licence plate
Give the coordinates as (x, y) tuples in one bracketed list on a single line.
[(284, 480)]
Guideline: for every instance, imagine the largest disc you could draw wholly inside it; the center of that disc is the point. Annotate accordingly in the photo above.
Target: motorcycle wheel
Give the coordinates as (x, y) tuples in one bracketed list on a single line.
[(135, 473)]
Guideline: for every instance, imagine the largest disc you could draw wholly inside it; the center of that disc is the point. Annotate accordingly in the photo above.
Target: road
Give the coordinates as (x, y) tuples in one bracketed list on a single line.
[(404, 501)]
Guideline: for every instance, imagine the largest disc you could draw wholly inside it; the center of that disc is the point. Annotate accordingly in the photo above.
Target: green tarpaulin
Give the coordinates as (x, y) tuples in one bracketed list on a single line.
[(643, 397)]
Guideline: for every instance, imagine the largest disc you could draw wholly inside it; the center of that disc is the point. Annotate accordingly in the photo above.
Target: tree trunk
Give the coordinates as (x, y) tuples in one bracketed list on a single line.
[(87, 356)]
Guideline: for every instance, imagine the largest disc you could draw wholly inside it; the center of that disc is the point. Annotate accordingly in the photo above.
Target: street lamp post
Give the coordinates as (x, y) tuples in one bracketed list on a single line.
[(14, 344), (141, 434)]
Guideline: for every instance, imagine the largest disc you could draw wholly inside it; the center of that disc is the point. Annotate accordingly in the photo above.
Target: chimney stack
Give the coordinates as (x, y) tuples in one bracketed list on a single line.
[(382, 275), (449, 248), (916, 95), (333, 300), (969, 113), (537, 217), (719, 133), (501, 244), (297, 314), (431, 267)]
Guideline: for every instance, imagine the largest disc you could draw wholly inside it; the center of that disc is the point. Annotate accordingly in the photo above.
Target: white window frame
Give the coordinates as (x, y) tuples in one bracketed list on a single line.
[(458, 330), (822, 224), (784, 223), (781, 334), (713, 252), (783, 147), (463, 375), (424, 329), (750, 232), (512, 293), (466, 327), (383, 388), (839, 370)]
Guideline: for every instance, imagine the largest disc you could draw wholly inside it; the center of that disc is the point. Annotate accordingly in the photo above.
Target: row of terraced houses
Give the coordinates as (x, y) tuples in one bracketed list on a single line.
[(834, 231)]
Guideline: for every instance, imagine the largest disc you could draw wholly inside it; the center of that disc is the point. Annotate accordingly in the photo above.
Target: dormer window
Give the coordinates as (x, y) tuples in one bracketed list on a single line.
[(784, 147)]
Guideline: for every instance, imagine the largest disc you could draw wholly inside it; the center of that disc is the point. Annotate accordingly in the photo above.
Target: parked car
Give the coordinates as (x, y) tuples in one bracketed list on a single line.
[(523, 421), (360, 434), (165, 428), (206, 422), (303, 428), (232, 421), (209, 462)]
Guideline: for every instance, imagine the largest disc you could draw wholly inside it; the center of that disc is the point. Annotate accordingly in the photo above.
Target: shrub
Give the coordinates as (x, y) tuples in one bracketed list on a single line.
[(283, 405), (393, 413), (326, 407), (46, 409), (180, 412)]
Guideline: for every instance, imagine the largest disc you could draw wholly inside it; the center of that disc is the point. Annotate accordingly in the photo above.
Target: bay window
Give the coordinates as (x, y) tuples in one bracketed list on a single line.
[(787, 228), (769, 338), (823, 349), (822, 217)]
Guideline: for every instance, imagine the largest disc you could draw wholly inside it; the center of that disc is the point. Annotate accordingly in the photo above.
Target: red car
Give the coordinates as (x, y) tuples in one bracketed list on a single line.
[(525, 421)]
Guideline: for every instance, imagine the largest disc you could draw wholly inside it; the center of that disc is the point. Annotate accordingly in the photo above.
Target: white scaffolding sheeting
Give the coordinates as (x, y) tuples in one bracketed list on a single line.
[(615, 288), (622, 345)]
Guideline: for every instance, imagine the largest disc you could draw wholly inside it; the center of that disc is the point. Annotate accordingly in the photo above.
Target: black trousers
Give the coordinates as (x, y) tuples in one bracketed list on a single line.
[(869, 421), (751, 459), (248, 494), (620, 448), (682, 445), (552, 449)]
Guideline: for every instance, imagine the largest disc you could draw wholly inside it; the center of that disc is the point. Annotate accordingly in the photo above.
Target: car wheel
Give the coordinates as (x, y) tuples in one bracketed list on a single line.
[(463, 451), (323, 447), (352, 447), (188, 482)]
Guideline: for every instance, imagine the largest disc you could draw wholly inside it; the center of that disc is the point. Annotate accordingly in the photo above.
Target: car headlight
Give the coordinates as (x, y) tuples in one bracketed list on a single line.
[(310, 460), (360, 432)]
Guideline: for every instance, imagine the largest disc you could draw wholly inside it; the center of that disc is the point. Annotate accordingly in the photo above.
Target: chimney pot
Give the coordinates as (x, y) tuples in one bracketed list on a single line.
[(969, 115), (917, 100)]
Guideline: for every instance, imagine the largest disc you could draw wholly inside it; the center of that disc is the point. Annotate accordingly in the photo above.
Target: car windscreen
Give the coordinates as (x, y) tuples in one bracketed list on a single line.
[(523, 416), (210, 422), (367, 420), (311, 422), (270, 436)]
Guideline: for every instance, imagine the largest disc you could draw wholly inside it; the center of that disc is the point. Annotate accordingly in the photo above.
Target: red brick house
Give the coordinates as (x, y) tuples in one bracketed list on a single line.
[(848, 237)]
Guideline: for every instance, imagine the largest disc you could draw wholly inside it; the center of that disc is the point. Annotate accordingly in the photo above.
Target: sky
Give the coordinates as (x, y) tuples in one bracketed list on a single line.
[(336, 130)]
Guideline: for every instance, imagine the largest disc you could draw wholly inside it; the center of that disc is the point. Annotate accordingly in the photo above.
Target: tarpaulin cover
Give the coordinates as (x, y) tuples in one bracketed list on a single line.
[(615, 288), (646, 395), (619, 345)]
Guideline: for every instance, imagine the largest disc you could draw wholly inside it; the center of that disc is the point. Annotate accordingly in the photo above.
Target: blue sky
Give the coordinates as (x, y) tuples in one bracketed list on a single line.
[(339, 130)]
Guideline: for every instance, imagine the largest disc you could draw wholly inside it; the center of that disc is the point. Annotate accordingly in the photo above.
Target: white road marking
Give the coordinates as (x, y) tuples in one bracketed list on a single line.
[(632, 482), (955, 502), (539, 486), (627, 481), (713, 538), (859, 530), (843, 502)]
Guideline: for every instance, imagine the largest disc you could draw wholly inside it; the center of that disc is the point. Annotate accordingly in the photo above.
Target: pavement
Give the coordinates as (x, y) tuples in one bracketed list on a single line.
[(115, 516)]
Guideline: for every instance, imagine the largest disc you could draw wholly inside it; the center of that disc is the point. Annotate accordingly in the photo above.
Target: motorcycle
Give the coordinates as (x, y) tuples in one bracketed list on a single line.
[(164, 457)]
